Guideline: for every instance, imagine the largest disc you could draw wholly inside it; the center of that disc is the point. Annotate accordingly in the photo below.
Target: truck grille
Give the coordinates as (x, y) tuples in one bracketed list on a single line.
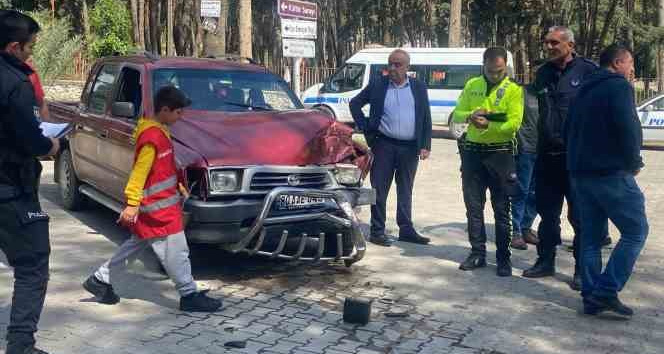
[(265, 181)]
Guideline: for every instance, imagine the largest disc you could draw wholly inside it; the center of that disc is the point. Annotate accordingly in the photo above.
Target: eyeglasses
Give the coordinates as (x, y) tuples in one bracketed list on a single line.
[(552, 42)]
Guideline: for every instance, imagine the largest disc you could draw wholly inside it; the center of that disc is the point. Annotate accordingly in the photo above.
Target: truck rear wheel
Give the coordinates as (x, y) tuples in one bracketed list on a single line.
[(68, 183)]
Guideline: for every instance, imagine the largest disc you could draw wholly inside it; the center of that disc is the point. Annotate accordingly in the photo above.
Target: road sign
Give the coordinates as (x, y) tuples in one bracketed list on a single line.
[(296, 8), (298, 48), (298, 29), (210, 8)]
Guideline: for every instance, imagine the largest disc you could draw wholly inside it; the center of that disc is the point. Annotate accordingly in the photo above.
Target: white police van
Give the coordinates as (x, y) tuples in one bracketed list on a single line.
[(651, 114), (444, 70)]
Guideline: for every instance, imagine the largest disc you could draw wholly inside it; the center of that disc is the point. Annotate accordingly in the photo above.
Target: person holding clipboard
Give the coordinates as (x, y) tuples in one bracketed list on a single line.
[(492, 105)]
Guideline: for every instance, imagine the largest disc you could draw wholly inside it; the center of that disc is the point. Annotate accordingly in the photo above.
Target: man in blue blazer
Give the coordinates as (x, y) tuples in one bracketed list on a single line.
[(398, 130)]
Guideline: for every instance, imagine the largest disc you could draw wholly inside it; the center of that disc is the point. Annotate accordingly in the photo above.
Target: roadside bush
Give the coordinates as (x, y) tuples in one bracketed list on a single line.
[(55, 48), (110, 24)]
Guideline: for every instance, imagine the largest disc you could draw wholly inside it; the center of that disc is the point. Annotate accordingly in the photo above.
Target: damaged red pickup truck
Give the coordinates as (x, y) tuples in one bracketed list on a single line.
[(267, 176)]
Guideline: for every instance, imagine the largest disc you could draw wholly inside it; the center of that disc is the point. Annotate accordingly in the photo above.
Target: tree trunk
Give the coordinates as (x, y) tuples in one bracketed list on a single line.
[(141, 24), (170, 50), (608, 20), (86, 20), (454, 40), (215, 41), (134, 20), (245, 28)]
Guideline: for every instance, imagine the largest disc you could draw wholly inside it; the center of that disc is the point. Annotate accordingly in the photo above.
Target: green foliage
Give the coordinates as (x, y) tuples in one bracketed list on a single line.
[(56, 46), (110, 23)]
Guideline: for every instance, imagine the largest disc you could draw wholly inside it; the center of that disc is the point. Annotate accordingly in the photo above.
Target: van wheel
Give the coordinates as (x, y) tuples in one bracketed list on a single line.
[(328, 110), (68, 183), (456, 129)]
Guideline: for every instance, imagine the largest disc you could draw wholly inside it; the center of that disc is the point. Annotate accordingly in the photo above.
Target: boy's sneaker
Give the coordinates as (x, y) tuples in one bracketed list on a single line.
[(199, 302), (102, 291)]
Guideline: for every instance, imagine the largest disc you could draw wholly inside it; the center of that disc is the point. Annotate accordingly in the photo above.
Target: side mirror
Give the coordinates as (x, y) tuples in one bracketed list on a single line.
[(123, 109), (650, 108)]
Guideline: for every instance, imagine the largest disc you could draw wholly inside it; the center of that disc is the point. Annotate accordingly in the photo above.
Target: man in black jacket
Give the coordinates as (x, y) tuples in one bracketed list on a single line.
[(23, 225), (557, 83), (398, 131), (603, 157)]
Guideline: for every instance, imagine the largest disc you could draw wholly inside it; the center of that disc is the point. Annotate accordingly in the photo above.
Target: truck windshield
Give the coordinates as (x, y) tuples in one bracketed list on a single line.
[(231, 91)]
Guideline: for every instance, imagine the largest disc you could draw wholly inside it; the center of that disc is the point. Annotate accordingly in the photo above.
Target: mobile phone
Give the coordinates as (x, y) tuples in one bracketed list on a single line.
[(496, 117)]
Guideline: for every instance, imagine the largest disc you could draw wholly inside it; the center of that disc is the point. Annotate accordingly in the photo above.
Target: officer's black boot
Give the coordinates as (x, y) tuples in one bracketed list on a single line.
[(473, 261), (504, 268), (545, 266)]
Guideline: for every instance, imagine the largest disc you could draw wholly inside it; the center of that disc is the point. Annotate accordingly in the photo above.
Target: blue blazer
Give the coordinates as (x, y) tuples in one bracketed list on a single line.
[(374, 94)]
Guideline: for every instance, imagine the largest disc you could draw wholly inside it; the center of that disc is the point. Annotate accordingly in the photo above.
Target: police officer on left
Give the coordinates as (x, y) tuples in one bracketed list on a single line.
[(493, 105), (23, 225)]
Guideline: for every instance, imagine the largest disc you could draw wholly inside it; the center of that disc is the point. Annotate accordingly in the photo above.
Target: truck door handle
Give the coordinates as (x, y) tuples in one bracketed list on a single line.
[(103, 134)]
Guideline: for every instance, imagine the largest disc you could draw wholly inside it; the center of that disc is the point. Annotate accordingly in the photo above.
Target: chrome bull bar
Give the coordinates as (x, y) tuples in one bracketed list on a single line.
[(257, 231)]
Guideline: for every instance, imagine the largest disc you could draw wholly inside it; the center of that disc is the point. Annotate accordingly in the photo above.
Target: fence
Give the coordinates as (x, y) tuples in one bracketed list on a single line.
[(308, 76), (78, 70)]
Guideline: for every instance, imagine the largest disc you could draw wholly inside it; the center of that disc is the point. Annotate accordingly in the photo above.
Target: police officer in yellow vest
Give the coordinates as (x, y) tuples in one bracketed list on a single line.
[(493, 106)]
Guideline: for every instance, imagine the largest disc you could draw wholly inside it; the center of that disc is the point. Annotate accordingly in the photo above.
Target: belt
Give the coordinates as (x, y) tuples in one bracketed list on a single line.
[(396, 141), (492, 147)]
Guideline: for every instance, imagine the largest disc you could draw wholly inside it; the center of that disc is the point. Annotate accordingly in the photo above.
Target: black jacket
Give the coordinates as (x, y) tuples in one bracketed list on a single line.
[(555, 90), (603, 132), (374, 94), (21, 139), (527, 134)]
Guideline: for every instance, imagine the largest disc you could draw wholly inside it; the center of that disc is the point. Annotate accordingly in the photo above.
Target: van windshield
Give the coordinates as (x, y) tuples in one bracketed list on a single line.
[(349, 78), (226, 90), (437, 77)]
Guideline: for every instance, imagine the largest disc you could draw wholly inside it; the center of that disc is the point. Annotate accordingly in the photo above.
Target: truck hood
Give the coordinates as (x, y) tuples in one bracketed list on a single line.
[(295, 138)]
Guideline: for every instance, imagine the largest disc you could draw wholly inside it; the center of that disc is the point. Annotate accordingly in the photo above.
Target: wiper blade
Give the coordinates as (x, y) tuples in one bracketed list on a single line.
[(253, 108)]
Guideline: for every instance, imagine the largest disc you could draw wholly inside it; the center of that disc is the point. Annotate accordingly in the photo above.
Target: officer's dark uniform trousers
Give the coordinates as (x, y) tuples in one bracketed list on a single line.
[(24, 240), (492, 167), (552, 189)]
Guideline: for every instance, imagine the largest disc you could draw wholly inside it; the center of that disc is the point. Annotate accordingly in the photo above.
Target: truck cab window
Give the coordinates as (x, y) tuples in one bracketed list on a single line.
[(102, 88), (130, 89)]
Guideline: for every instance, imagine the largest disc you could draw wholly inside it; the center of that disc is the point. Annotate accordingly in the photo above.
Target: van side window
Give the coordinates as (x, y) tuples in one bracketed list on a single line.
[(349, 78), (130, 89), (102, 88), (437, 77)]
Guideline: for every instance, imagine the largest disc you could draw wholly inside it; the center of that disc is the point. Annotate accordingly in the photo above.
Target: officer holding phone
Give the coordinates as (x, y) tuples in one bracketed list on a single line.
[(493, 106)]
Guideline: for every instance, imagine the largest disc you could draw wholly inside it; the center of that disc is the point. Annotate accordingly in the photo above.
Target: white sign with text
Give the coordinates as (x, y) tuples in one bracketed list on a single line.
[(298, 29), (298, 48)]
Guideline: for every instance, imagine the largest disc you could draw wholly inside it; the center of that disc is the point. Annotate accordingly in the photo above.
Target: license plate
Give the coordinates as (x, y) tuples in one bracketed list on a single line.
[(294, 202)]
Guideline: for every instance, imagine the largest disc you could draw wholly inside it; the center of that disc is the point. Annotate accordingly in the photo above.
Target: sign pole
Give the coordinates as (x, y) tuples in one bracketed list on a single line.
[(296, 75)]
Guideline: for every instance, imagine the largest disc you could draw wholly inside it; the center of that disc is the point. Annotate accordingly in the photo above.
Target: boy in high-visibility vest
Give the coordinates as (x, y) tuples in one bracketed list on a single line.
[(154, 209)]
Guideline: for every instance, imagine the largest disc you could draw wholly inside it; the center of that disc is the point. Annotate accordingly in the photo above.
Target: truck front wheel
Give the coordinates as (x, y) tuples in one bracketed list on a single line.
[(68, 183)]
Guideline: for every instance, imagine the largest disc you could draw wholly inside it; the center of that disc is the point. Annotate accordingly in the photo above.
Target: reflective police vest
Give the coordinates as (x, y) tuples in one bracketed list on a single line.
[(160, 211), (506, 97)]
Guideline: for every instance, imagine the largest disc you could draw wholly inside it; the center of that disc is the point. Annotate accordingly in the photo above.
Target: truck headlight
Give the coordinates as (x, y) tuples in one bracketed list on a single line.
[(223, 181), (347, 174)]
